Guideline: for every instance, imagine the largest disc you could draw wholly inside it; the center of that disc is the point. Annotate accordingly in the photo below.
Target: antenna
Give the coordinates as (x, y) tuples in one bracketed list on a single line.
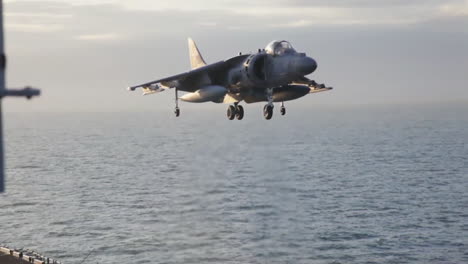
[(27, 92)]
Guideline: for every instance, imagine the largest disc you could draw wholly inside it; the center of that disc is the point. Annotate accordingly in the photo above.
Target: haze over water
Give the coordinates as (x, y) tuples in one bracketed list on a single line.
[(369, 184)]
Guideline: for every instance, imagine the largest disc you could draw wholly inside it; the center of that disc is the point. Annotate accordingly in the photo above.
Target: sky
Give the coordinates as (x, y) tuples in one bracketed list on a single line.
[(83, 54)]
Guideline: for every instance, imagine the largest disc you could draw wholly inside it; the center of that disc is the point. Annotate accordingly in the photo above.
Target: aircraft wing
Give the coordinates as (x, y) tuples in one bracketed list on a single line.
[(171, 81)]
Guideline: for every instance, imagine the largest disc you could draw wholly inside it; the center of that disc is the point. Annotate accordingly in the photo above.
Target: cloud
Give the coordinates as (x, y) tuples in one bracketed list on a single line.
[(362, 3), (98, 37), (454, 9), (208, 24), (13, 15), (247, 15), (265, 5), (368, 52), (34, 28)]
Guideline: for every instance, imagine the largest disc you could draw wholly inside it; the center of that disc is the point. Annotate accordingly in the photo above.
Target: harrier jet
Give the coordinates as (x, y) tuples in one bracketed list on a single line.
[(274, 74)]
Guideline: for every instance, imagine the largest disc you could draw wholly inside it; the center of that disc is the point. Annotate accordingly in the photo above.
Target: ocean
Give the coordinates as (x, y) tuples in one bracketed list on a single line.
[(348, 184)]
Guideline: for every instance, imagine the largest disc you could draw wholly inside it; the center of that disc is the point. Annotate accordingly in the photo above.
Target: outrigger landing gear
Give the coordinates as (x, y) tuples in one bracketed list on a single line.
[(268, 108), (282, 109), (176, 110), (235, 111)]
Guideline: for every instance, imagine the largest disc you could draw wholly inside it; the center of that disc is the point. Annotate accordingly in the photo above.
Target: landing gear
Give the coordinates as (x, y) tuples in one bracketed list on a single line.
[(235, 111), (283, 110), (268, 111), (176, 110), (239, 112), (231, 112), (268, 108)]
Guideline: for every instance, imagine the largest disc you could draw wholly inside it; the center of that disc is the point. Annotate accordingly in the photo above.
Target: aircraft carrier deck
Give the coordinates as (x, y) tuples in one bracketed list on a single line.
[(20, 256)]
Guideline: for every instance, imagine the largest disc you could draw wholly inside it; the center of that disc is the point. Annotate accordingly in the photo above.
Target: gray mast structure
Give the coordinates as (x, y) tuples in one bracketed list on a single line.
[(27, 92)]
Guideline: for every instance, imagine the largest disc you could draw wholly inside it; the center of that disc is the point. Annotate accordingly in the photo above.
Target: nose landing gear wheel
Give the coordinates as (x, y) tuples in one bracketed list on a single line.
[(268, 111), (177, 111), (283, 110), (231, 112), (239, 112)]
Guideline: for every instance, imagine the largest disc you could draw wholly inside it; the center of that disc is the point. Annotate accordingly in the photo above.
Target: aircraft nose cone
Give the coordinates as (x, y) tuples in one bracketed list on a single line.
[(307, 65)]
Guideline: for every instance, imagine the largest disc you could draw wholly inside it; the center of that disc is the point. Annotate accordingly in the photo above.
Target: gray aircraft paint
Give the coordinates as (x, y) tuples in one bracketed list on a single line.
[(274, 74)]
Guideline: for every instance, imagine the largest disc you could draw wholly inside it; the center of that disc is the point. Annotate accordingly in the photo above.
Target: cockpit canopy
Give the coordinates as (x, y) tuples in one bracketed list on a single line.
[(279, 48)]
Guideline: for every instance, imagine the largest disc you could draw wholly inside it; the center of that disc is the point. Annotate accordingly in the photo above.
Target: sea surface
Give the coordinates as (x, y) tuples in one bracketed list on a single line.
[(361, 184)]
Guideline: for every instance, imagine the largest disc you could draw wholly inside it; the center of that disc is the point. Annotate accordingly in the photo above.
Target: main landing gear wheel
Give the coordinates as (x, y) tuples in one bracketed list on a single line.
[(239, 112), (268, 111), (231, 112), (177, 111), (235, 111)]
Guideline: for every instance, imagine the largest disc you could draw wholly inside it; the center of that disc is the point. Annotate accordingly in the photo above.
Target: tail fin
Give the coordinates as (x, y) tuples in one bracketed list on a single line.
[(196, 59)]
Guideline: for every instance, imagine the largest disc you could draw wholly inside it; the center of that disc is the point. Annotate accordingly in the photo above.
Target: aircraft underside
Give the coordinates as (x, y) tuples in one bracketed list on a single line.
[(219, 94)]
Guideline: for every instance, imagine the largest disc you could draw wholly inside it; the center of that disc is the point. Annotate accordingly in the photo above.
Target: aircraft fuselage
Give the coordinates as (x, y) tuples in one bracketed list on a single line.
[(274, 74)]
